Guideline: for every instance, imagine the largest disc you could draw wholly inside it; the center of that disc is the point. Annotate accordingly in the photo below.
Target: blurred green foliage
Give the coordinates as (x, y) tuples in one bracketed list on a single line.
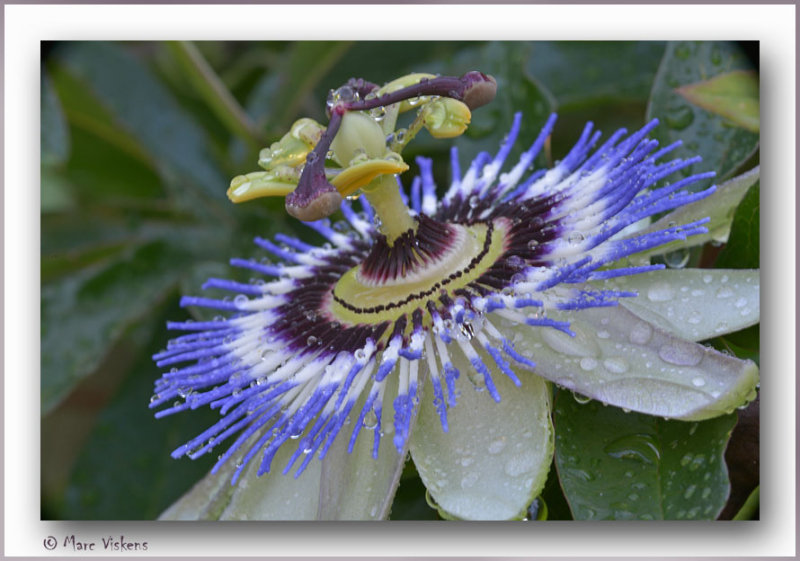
[(135, 164)]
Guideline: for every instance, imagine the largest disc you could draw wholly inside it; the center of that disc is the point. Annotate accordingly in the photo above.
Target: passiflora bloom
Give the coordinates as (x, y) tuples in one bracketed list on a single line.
[(436, 323)]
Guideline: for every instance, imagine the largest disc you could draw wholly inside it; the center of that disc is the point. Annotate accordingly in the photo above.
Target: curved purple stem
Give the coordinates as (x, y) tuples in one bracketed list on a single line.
[(473, 88), (315, 198)]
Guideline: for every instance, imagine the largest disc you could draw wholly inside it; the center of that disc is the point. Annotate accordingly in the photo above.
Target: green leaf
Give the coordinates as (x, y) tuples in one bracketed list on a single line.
[(553, 498), (742, 249), (723, 147), (55, 137), (750, 507), (581, 73), (623, 466), (733, 95), (125, 471), (147, 110), (85, 313), (620, 359), (218, 98), (493, 461), (695, 304), (56, 192), (719, 208), (301, 69), (103, 172)]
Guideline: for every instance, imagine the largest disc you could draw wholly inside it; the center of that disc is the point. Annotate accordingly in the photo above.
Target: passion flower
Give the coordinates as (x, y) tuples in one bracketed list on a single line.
[(414, 299)]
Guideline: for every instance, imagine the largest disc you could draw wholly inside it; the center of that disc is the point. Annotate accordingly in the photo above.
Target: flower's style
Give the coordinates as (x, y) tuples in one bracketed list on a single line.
[(507, 280)]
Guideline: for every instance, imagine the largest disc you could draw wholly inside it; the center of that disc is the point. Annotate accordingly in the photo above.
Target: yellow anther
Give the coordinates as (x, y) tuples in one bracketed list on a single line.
[(292, 149), (307, 130), (258, 184), (446, 117), (360, 175)]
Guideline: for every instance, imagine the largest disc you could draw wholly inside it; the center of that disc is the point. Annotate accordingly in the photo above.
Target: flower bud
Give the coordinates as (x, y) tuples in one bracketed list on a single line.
[(446, 118)]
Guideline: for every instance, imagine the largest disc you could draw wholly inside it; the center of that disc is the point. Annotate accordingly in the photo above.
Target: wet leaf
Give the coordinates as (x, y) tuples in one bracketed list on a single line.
[(723, 147), (733, 95), (584, 72), (125, 471), (55, 136), (742, 249), (140, 104), (624, 466), (301, 68), (85, 313)]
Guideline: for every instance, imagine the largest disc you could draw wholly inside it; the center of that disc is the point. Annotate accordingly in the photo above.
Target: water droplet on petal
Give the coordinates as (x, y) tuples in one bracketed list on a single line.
[(660, 292), (725, 292), (497, 446), (575, 238), (641, 333), (469, 480), (616, 364), (677, 259), (681, 353), (370, 420)]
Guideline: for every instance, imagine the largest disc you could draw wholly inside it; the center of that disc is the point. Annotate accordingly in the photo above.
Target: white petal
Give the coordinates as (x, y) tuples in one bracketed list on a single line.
[(275, 496), (494, 460), (341, 487), (694, 304), (620, 359), (356, 486)]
